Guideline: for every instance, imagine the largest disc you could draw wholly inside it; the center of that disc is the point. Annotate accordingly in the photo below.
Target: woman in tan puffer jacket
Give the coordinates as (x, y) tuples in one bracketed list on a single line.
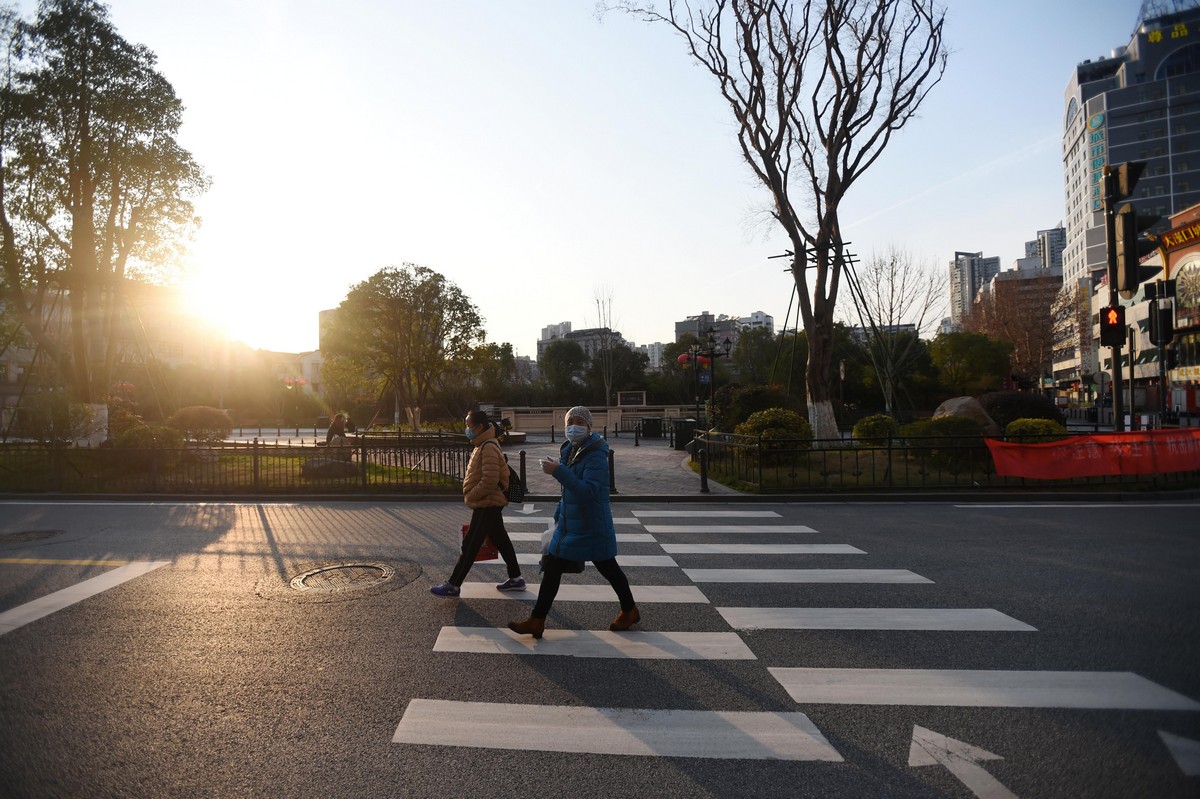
[(483, 491)]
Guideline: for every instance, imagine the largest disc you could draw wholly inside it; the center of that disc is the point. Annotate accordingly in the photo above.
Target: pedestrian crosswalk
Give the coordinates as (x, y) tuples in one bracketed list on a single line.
[(748, 735)]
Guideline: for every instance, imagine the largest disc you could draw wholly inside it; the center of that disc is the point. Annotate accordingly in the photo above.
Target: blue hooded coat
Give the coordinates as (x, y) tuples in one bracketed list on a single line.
[(583, 528)]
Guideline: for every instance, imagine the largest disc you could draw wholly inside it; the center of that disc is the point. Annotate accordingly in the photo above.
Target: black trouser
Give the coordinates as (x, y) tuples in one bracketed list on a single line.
[(485, 522), (552, 579)]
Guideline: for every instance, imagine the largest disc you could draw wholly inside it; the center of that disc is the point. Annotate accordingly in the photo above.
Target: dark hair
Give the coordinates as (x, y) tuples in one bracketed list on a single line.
[(478, 418)]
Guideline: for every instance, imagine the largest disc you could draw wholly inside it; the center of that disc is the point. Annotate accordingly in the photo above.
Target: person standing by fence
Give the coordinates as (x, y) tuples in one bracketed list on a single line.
[(583, 525), (483, 491)]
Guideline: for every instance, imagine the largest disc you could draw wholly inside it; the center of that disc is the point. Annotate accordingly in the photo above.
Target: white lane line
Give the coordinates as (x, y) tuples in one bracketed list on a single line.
[(624, 538), (1185, 752), (706, 514), (544, 520), (636, 645), (1085, 505), (615, 731), (1085, 690), (44, 606), (728, 528), (644, 594), (761, 549), (532, 559), (980, 619), (805, 576)]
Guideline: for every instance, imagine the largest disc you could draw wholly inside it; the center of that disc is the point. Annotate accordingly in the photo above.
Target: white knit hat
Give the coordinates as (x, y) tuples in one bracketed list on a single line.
[(582, 412)]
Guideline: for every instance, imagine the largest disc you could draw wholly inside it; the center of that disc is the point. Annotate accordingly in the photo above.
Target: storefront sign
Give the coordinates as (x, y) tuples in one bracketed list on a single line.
[(1180, 237), (1145, 452)]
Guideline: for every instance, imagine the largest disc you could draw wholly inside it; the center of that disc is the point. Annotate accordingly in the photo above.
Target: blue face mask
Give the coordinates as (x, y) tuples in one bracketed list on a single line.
[(470, 433), (576, 433)]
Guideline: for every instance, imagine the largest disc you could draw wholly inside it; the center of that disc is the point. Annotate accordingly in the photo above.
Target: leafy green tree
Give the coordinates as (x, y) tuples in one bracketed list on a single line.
[(969, 361), (562, 366), (95, 186), (408, 325), (754, 355)]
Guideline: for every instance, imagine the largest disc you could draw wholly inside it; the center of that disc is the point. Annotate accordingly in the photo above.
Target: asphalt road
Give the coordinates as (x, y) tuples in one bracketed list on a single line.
[(189, 666)]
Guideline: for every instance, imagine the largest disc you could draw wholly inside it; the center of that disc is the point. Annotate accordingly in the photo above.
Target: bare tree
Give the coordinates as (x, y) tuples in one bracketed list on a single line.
[(817, 89), (604, 324), (890, 292), (1027, 314)]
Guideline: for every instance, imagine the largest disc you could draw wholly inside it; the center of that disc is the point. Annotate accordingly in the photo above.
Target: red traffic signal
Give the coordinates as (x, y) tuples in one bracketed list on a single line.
[(1112, 326)]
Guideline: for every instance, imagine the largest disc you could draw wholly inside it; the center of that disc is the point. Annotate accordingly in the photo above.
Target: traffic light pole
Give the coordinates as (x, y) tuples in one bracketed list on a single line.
[(1110, 247)]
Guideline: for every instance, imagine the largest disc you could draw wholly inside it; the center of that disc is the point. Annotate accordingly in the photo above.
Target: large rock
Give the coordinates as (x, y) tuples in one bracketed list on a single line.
[(971, 409)]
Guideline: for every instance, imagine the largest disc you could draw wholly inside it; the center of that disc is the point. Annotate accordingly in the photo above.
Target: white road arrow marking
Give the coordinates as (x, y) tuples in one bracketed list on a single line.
[(1185, 751), (529, 507), (931, 748)]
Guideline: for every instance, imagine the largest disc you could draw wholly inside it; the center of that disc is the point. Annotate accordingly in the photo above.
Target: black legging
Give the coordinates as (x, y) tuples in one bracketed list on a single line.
[(485, 522), (552, 578)]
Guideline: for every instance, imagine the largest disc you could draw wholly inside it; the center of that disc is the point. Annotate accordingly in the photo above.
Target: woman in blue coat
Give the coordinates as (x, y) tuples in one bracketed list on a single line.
[(583, 525)]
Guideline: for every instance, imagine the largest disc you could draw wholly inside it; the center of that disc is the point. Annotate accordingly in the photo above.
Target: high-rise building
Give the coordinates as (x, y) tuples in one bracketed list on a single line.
[(1048, 247), (1140, 103), (969, 272)]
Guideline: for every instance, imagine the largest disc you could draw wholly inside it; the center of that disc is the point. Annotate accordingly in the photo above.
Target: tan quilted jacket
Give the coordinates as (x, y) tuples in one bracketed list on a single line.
[(487, 473)]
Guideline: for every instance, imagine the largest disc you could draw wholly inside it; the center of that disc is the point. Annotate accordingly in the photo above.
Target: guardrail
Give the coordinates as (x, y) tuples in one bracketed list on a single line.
[(750, 463), (422, 464)]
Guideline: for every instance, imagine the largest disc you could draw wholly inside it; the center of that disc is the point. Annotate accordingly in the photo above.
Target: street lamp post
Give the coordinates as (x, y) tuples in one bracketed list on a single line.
[(694, 351), (713, 353)]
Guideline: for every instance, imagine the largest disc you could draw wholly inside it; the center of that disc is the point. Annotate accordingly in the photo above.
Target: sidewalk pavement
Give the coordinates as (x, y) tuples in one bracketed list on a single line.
[(652, 467)]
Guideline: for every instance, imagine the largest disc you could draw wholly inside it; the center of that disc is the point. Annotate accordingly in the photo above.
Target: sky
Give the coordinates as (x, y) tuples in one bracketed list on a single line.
[(540, 157)]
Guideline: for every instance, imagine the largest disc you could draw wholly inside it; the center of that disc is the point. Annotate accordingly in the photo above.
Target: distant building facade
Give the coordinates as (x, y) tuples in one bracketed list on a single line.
[(969, 272)]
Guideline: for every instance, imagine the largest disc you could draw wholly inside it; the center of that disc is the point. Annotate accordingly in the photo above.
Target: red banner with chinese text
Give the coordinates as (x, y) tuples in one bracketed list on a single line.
[(1144, 452)]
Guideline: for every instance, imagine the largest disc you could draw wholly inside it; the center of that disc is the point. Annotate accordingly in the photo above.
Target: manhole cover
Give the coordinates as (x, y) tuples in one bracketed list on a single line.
[(343, 577), (27, 535)]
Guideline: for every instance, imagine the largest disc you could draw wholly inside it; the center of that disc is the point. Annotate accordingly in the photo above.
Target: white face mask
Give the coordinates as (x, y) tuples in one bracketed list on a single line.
[(576, 433)]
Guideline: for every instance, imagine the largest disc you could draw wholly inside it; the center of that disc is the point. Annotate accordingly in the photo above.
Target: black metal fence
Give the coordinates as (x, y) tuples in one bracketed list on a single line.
[(750, 463), (392, 464)]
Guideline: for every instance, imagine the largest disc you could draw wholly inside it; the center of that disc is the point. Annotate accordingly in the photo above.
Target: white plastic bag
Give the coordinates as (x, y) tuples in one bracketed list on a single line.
[(547, 535)]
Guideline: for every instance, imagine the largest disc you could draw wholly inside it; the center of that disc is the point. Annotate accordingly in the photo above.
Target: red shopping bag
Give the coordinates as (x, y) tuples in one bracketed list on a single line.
[(487, 551)]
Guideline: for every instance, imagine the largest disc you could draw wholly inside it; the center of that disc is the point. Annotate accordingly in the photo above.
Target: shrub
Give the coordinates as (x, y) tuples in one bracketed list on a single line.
[(141, 443), (956, 443), (1007, 406), (47, 416), (875, 430), (202, 423), (738, 404), (1032, 431), (776, 426)]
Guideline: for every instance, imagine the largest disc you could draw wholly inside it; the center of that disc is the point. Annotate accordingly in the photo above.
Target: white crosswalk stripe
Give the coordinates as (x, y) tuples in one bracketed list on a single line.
[(804, 576), (533, 558), (574, 592), (596, 644), (761, 549), (615, 731), (964, 688), (659, 529), (622, 538), (872, 619)]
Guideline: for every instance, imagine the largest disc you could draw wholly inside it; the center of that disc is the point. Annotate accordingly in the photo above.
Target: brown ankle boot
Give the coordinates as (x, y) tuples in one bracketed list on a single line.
[(531, 626), (625, 619)]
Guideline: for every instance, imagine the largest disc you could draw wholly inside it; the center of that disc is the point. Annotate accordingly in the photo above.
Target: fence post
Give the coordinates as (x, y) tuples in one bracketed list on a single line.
[(637, 434), (552, 432), (759, 453), (524, 482), (362, 460), (703, 470), (612, 474), (254, 462)]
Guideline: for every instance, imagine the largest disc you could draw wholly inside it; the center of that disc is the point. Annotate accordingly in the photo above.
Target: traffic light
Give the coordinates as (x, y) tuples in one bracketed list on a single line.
[(1112, 326), (1162, 323), (1127, 177), (1131, 247)]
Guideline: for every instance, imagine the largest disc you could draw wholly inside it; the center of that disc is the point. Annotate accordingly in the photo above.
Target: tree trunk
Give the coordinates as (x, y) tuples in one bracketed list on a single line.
[(413, 415)]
